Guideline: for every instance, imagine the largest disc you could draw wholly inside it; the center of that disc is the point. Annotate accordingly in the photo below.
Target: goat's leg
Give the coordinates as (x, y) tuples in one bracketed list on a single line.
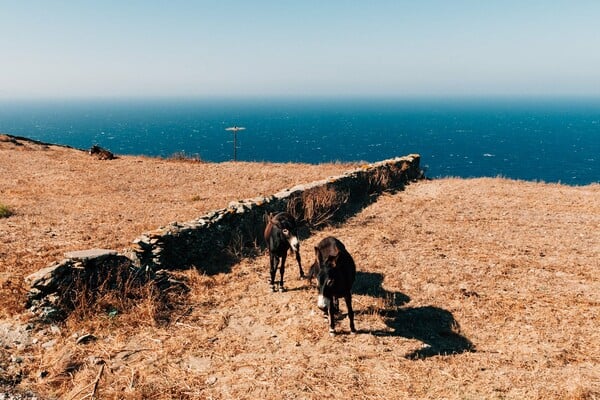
[(282, 271), (299, 263), (348, 299), (331, 317), (274, 261)]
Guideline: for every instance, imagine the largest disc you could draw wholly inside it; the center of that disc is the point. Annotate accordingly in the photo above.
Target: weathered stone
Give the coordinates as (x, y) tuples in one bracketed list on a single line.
[(50, 314), (86, 338), (49, 344), (45, 276), (85, 255), (197, 364), (142, 241)]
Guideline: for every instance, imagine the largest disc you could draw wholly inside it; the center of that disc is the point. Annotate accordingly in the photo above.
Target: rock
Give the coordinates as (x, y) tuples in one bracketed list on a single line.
[(83, 339), (16, 359), (197, 364), (45, 277), (84, 255), (49, 344), (211, 380)]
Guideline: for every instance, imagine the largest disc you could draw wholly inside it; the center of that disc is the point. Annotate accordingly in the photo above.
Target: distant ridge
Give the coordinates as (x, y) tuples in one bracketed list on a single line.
[(38, 142)]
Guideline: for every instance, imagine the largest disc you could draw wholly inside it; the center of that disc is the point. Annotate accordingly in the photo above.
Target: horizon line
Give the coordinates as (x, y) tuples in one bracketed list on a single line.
[(403, 97)]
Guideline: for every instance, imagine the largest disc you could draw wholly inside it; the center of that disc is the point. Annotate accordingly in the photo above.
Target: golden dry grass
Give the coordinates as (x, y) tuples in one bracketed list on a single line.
[(64, 199), (467, 289)]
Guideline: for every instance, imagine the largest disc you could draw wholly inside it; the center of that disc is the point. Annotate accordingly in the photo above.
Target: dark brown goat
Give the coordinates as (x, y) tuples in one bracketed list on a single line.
[(335, 271), (281, 235)]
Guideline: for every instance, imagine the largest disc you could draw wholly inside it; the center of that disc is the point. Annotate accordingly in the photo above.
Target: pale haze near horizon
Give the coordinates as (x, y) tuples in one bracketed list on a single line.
[(309, 48)]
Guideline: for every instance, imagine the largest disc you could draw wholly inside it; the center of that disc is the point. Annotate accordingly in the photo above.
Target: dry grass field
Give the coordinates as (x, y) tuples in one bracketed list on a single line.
[(467, 289)]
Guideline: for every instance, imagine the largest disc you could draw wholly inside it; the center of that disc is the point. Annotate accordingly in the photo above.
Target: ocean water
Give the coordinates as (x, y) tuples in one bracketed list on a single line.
[(551, 140)]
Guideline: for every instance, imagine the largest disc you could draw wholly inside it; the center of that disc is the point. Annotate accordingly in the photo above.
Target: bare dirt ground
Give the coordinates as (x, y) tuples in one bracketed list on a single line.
[(467, 289)]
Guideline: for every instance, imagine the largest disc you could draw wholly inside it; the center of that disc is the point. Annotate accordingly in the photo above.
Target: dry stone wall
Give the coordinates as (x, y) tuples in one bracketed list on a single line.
[(196, 243), (55, 290), (212, 239)]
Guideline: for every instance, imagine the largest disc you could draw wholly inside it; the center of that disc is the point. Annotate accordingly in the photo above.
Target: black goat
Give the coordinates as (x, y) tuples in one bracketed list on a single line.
[(335, 270), (281, 235)]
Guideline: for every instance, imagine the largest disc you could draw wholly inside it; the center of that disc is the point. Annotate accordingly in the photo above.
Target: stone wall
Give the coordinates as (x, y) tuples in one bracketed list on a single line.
[(57, 289), (196, 243), (219, 237)]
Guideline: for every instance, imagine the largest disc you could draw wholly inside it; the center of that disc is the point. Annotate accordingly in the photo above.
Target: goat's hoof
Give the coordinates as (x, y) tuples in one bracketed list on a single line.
[(273, 288), (281, 289), (353, 332)]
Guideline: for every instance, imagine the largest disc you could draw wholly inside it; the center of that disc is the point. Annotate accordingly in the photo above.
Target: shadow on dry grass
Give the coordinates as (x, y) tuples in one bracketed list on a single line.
[(433, 326)]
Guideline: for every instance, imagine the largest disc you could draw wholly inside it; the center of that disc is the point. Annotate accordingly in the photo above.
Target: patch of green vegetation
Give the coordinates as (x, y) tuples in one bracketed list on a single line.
[(5, 211)]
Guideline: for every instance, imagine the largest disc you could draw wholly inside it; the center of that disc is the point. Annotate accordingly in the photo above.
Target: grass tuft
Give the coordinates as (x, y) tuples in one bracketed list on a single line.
[(5, 211), (317, 207), (183, 156)]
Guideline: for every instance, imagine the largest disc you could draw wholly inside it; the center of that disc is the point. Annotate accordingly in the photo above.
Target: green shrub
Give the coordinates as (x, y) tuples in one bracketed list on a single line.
[(5, 212)]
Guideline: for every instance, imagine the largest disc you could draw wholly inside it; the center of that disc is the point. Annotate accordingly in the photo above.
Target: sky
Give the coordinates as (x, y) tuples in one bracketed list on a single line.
[(299, 48)]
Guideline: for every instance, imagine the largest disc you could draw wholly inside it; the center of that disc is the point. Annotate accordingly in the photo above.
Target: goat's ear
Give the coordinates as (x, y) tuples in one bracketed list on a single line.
[(318, 255), (267, 217), (313, 271)]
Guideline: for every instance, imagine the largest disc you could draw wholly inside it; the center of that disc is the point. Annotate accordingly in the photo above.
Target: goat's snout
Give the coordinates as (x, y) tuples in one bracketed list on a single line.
[(294, 243), (323, 302)]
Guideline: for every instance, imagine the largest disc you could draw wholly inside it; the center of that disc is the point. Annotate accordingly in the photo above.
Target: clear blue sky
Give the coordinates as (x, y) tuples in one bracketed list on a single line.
[(299, 48)]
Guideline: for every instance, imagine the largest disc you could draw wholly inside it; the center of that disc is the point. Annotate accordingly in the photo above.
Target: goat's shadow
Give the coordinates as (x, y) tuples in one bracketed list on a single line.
[(433, 326)]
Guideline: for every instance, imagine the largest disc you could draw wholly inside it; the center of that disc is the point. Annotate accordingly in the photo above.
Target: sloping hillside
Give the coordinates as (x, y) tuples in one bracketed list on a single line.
[(479, 288)]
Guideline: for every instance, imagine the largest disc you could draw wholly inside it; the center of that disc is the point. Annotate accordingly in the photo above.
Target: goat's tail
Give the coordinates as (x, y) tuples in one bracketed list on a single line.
[(268, 219)]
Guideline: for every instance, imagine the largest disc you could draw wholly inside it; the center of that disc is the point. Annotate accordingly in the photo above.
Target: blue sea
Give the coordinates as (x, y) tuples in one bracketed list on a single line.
[(550, 140)]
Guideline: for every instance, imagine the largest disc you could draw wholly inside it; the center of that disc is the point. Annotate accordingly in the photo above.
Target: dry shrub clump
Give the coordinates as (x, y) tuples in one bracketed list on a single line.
[(121, 290), (379, 179), (111, 294), (317, 207), (183, 156)]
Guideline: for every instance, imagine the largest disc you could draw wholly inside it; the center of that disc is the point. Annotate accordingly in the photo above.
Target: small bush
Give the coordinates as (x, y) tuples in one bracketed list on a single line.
[(183, 156), (317, 207), (5, 211)]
